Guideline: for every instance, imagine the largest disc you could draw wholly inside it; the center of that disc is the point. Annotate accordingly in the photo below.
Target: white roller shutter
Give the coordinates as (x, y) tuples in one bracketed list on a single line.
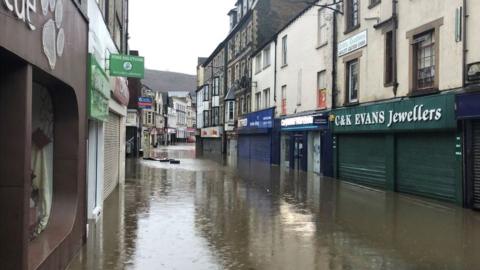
[(112, 154)]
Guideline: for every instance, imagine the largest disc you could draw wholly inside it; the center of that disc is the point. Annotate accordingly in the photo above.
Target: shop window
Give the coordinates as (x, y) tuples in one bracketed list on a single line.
[(40, 202)]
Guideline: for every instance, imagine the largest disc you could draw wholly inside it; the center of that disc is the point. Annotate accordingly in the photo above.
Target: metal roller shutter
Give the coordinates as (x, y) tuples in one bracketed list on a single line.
[(260, 148), (244, 147), (476, 164), (425, 165), (112, 154), (362, 159)]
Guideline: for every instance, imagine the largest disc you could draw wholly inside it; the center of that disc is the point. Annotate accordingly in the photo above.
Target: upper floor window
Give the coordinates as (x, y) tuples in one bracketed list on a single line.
[(284, 99), (352, 81), (216, 86), (322, 28), (266, 57), (424, 57), (352, 14), (258, 63), (284, 51), (206, 94), (374, 3), (388, 77), (258, 101), (266, 98)]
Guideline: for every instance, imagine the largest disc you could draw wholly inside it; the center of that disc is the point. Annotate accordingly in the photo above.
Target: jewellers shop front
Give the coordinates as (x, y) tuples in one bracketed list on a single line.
[(410, 146), (306, 143), (43, 93)]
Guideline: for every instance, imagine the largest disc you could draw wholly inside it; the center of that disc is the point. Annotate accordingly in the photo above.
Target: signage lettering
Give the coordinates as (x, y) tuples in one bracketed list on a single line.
[(22, 10), (352, 44)]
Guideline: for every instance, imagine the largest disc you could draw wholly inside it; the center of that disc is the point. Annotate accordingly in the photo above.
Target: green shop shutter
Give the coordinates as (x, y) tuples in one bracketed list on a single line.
[(426, 165), (362, 159), (476, 164)]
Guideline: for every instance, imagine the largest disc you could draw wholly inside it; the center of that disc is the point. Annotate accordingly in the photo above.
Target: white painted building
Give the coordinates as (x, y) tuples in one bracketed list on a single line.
[(303, 86), (106, 139), (263, 78)]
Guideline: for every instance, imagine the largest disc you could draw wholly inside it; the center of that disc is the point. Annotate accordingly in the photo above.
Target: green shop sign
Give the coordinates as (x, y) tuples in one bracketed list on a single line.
[(422, 113), (127, 66), (99, 91)]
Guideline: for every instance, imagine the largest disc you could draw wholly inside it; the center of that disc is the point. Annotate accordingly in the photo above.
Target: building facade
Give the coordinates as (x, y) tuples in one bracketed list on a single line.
[(43, 101), (108, 100), (397, 129)]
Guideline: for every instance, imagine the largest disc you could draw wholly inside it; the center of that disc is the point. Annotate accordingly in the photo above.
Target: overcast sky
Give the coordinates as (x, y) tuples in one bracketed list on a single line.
[(173, 34)]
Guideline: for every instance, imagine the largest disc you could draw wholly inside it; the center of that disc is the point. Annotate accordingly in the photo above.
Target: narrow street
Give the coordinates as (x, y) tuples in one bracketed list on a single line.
[(202, 215)]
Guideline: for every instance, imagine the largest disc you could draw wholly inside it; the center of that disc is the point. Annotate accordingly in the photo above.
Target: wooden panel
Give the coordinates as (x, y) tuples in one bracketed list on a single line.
[(362, 159), (425, 165)]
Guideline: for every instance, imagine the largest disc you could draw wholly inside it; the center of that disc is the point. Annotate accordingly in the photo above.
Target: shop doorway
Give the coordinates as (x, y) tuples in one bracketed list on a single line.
[(316, 156), (298, 151)]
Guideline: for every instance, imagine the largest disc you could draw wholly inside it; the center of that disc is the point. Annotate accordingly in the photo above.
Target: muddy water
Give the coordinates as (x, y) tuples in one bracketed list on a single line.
[(202, 215)]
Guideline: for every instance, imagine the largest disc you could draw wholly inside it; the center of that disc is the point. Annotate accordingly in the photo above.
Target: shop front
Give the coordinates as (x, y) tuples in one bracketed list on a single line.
[(306, 144), (255, 136), (43, 111), (212, 141), (468, 113), (410, 146), (98, 100), (115, 136)]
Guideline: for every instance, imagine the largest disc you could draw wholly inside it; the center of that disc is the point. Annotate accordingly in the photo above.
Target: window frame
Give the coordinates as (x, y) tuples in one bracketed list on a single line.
[(267, 61), (388, 69), (348, 81), (258, 101), (266, 98), (433, 26), (284, 51), (350, 25)]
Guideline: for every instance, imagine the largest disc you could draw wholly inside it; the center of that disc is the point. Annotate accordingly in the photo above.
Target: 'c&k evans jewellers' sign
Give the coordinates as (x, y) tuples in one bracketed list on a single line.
[(436, 112)]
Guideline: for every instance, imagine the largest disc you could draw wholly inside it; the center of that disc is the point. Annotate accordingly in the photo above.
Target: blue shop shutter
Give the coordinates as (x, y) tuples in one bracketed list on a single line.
[(244, 147), (261, 148)]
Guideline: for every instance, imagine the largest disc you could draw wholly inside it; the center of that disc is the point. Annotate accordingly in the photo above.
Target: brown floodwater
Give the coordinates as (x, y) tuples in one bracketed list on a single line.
[(201, 214)]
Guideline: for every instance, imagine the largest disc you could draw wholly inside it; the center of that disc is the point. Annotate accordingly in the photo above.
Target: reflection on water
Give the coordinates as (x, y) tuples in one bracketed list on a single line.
[(206, 216)]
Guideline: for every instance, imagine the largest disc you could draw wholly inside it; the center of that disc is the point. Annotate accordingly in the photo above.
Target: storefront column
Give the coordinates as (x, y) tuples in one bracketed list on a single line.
[(15, 174)]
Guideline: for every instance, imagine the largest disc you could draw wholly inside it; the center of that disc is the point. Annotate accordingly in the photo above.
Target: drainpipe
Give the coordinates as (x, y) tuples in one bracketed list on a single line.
[(394, 46), (275, 73), (334, 58), (465, 48)]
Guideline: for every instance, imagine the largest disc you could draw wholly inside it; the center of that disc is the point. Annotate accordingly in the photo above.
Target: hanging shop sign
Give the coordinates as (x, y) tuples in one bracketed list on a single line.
[(257, 120), (468, 106), (305, 122), (352, 44), (145, 103), (212, 132), (437, 112), (127, 66), (99, 91), (120, 90)]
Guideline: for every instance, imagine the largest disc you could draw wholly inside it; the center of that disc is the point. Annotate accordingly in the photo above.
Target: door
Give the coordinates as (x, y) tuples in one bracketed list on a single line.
[(112, 154), (260, 148), (362, 159), (425, 165), (476, 163), (316, 153), (298, 151)]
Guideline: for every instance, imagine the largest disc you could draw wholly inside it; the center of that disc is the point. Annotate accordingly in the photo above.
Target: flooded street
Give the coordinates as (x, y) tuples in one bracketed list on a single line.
[(203, 215)]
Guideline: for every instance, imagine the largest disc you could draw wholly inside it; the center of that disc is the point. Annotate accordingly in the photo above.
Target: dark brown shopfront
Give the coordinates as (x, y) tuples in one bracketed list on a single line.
[(43, 61)]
